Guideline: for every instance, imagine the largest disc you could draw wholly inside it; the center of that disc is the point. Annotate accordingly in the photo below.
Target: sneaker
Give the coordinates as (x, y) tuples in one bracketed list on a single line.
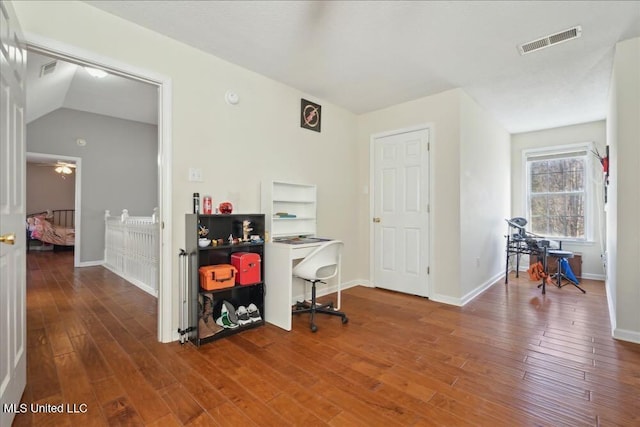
[(225, 317), (254, 313), (225, 322), (226, 305), (243, 316)]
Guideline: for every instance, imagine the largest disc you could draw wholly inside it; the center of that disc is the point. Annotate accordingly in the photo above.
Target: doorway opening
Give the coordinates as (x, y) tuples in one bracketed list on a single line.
[(63, 191), (162, 158)]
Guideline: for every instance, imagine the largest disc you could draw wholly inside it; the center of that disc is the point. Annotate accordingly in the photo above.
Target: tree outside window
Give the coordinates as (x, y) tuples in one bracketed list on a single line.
[(557, 195)]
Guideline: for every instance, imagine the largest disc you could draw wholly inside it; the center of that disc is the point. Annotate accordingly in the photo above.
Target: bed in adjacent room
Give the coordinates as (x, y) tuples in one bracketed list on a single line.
[(51, 228)]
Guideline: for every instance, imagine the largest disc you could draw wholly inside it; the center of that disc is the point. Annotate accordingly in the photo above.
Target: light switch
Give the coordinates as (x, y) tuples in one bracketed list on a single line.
[(195, 174)]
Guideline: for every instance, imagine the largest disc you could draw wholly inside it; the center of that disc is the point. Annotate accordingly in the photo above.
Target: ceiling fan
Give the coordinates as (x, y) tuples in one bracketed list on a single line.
[(63, 168)]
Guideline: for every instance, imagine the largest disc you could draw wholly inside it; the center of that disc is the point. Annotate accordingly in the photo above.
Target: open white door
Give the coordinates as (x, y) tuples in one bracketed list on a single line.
[(13, 310), (401, 211)]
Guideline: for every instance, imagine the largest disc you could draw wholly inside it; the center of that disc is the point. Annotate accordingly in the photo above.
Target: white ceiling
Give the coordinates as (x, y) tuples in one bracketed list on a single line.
[(368, 55), (70, 86)]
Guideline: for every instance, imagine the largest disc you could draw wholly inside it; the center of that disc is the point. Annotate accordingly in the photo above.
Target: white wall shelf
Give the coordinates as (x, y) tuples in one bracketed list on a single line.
[(297, 200)]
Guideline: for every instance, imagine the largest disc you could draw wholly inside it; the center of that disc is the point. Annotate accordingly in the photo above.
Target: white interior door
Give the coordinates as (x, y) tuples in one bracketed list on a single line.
[(13, 359), (401, 212)]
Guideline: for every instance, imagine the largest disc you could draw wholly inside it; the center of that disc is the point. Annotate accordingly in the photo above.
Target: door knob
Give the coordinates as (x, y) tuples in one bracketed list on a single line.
[(9, 239), (376, 219)]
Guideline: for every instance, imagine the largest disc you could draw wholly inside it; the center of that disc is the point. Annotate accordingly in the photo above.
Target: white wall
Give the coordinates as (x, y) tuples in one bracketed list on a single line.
[(623, 210), (611, 235), (260, 139), (470, 189), (484, 198), (236, 146), (47, 189), (442, 112), (592, 265)]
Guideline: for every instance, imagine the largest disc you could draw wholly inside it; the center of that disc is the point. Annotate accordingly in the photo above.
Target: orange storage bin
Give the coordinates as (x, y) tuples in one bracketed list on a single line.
[(218, 276)]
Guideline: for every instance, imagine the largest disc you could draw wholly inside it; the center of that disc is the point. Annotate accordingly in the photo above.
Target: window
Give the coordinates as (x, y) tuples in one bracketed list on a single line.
[(558, 191)]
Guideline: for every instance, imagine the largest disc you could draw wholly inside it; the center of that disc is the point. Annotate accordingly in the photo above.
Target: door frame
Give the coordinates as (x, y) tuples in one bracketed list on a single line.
[(54, 48), (77, 203), (429, 127)]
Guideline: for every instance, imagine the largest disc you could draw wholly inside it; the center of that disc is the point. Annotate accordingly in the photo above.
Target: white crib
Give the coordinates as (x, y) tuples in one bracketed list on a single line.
[(132, 250)]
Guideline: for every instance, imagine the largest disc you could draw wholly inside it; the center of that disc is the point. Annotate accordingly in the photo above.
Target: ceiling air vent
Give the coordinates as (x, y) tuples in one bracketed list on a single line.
[(550, 40), (48, 68)]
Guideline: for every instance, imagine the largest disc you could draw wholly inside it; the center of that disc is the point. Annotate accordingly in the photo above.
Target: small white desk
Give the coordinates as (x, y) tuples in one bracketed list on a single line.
[(279, 258)]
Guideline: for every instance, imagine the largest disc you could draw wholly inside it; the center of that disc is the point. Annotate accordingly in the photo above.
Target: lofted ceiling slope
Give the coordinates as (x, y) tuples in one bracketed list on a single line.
[(369, 55), (67, 85)]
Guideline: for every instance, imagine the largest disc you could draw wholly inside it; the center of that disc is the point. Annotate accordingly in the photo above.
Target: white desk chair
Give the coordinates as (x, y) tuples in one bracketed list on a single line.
[(321, 264)]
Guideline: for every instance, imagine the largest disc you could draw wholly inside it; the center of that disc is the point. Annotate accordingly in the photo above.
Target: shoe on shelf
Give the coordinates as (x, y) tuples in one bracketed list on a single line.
[(207, 327), (228, 318), (228, 307), (203, 329), (243, 316), (254, 313)]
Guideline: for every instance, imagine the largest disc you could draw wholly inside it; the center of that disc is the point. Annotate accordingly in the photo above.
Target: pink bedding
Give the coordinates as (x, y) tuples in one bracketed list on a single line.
[(43, 230)]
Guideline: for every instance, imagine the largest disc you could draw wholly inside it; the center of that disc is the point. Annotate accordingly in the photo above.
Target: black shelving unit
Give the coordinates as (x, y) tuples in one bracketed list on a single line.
[(220, 227)]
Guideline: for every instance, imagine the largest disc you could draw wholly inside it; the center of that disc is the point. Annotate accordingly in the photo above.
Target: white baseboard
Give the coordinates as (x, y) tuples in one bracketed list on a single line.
[(148, 289), (589, 276), (359, 282), (41, 248), (446, 299), (483, 287), (593, 276), (327, 290), (626, 335), (90, 263)]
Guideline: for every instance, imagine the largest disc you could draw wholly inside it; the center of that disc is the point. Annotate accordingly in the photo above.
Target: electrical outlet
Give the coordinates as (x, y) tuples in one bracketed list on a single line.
[(195, 174)]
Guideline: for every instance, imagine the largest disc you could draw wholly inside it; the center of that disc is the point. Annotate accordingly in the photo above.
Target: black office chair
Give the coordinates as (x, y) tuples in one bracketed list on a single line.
[(321, 264)]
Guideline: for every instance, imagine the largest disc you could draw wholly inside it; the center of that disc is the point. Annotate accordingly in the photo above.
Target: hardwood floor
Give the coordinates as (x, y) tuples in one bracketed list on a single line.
[(511, 357)]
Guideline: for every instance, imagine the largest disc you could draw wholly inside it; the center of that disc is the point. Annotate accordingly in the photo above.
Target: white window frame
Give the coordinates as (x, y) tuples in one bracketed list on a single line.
[(570, 150)]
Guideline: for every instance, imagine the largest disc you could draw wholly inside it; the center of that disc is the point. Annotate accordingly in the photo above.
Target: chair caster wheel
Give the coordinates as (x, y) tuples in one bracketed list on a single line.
[(345, 319), (314, 328)]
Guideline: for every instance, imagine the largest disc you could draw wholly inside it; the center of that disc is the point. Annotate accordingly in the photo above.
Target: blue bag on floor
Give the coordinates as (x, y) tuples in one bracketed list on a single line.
[(566, 270)]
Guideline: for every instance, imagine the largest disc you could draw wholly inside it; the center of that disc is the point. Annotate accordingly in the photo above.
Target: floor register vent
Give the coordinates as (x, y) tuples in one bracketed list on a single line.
[(550, 40)]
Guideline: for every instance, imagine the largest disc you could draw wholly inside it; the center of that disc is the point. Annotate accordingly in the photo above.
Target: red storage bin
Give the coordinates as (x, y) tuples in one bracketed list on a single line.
[(248, 266), (218, 276)]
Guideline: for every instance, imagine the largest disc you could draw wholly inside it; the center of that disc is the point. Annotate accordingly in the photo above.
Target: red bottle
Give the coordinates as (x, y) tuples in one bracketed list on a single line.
[(207, 205)]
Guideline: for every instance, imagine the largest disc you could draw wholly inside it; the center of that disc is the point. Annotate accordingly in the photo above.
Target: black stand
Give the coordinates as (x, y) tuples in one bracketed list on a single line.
[(559, 276), (544, 267), (519, 242)]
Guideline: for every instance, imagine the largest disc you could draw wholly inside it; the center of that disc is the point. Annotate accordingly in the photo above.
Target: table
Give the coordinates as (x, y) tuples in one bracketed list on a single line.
[(280, 257)]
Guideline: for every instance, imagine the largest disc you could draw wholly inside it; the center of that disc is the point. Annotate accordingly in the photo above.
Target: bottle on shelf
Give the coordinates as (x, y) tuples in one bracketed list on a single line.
[(196, 203), (207, 205)]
